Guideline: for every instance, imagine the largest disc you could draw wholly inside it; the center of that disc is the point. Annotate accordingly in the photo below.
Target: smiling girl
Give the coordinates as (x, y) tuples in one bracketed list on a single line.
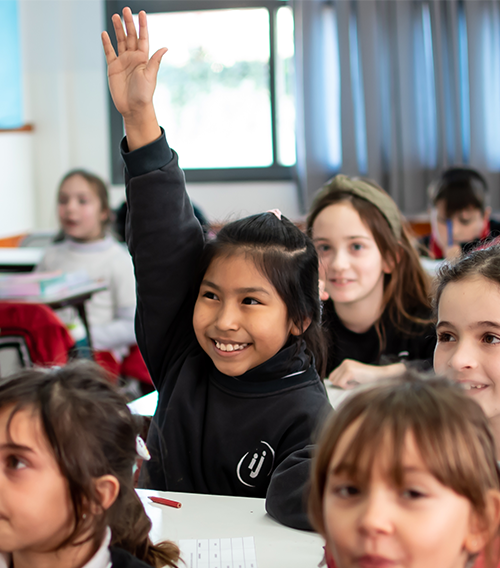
[(467, 301), (378, 312), (405, 476), (229, 328)]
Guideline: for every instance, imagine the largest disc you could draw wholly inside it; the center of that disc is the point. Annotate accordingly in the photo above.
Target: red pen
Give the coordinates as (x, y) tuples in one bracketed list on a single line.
[(167, 502)]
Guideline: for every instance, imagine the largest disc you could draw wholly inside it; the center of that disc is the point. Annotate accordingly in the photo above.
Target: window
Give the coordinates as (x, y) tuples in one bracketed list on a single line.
[(225, 88)]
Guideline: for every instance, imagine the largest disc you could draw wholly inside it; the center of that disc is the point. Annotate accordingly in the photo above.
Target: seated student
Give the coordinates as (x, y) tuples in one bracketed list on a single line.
[(378, 315), (460, 214), (467, 301), (84, 214), (229, 328), (405, 474), (68, 446)]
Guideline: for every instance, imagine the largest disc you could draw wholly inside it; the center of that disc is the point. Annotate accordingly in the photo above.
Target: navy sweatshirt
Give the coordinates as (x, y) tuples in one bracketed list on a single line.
[(211, 433)]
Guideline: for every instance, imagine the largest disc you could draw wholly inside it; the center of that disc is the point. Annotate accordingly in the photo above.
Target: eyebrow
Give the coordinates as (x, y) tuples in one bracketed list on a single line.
[(249, 290), (17, 447), (350, 237), (476, 324)]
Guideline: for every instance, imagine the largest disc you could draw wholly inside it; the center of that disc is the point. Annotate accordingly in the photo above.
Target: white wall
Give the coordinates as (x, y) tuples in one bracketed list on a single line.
[(66, 100)]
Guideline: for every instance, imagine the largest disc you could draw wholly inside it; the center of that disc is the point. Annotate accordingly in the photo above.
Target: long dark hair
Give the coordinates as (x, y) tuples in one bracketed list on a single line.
[(288, 259), (92, 433), (406, 288)]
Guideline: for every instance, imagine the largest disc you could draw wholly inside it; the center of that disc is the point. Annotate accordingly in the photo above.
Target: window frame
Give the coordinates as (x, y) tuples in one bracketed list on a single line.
[(274, 172)]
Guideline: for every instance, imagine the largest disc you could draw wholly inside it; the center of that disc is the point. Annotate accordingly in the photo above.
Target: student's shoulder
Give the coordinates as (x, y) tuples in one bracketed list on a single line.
[(122, 559)]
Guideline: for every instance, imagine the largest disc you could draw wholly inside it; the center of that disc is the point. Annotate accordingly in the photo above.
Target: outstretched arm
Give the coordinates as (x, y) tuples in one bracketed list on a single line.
[(132, 78)]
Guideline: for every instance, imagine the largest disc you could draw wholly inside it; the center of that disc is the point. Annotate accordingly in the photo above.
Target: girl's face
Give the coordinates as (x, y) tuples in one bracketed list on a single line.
[(239, 319), (377, 524), (80, 210), (36, 514), (349, 260), (466, 225), (468, 346)]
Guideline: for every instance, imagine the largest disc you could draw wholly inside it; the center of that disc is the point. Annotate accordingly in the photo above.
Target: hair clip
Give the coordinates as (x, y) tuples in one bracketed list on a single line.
[(276, 212), (141, 449)]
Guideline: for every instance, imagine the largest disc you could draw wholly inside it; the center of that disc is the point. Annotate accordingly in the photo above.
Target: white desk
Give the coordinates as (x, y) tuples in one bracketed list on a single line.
[(214, 516), (146, 405), (20, 259)]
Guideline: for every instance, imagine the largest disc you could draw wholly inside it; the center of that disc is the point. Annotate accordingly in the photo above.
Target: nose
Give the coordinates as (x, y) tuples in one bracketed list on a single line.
[(376, 515), (340, 260), (228, 317), (462, 356)]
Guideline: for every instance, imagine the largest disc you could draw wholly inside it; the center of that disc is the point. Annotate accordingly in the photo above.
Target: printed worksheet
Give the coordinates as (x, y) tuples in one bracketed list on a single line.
[(219, 553)]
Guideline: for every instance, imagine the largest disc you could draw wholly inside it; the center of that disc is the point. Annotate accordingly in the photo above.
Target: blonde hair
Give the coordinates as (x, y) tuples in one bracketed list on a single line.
[(450, 430)]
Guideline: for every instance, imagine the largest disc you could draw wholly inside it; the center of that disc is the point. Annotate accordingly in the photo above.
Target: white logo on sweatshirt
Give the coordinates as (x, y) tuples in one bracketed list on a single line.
[(255, 466)]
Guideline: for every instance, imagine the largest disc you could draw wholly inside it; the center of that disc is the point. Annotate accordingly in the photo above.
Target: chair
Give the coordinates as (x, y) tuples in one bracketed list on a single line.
[(31, 334), (14, 355)]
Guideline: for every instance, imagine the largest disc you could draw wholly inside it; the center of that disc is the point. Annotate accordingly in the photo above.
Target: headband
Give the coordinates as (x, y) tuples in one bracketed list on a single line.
[(378, 197)]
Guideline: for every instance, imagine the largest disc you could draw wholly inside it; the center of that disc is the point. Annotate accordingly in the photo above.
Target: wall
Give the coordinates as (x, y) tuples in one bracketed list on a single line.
[(66, 100)]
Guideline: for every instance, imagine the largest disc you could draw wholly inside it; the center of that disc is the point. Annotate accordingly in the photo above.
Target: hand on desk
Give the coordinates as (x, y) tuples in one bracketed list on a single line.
[(350, 373)]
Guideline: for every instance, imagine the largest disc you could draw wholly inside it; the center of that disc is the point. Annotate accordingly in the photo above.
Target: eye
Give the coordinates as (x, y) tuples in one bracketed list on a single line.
[(210, 295), (445, 337), (83, 201), (465, 222), (323, 248), (491, 339), (412, 494), (357, 247), (251, 302), (345, 491), (14, 462)]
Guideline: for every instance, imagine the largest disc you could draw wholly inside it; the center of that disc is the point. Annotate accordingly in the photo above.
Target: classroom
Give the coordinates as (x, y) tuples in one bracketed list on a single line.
[(249, 283)]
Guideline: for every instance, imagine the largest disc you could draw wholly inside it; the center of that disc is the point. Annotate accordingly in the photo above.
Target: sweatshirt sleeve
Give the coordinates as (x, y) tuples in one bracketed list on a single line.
[(286, 499), (165, 241)]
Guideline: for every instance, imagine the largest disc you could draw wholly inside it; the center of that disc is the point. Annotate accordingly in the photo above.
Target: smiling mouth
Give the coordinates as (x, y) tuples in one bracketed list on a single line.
[(473, 387), (229, 347)]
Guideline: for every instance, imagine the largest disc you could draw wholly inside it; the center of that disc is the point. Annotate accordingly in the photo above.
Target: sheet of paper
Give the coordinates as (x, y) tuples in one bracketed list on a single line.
[(219, 553)]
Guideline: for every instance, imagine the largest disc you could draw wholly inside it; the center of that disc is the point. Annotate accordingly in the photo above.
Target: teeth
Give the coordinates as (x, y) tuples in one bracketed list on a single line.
[(230, 346), (468, 386)]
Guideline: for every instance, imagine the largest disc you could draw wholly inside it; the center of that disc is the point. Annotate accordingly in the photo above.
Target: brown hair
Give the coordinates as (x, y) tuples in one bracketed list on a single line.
[(98, 187), (483, 261), (406, 288), (92, 433), (450, 430)]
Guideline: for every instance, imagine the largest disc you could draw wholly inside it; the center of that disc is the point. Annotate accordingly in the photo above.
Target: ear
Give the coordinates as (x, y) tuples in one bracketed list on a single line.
[(482, 530), (487, 213), (388, 264), (294, 330), (107, 487)]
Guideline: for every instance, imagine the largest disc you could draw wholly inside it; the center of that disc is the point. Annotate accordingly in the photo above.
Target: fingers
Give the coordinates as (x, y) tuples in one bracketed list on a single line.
[(121, 39), (143, 43), (154, 63), (109, 52), (130, 27)]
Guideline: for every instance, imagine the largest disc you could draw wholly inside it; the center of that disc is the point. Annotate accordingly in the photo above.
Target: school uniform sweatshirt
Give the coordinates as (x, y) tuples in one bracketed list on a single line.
[(211, 433)]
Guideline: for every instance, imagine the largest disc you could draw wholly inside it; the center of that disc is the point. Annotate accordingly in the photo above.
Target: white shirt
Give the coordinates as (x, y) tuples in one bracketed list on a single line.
[(101, 559)]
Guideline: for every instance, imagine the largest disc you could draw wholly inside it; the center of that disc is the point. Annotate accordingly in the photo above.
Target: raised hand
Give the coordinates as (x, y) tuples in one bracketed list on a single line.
[(132, 78)]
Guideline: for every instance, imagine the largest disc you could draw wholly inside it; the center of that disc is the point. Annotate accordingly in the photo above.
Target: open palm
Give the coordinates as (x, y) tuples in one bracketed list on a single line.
[(131, 74)]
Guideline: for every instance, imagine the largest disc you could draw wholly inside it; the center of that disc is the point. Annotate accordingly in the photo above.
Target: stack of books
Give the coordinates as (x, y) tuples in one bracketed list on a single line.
[(41, 284)]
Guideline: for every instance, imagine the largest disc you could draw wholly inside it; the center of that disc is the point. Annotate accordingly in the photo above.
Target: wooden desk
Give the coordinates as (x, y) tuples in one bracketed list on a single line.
[(215, 516), (20, 259)]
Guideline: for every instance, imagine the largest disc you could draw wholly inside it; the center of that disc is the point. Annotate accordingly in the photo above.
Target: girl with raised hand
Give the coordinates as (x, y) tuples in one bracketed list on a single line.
[(405, 474), (467, 302), (378, 314), (229, 328), (68, 448)]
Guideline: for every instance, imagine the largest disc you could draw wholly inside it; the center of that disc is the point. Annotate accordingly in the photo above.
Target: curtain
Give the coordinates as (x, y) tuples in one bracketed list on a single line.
[(397, 90)]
